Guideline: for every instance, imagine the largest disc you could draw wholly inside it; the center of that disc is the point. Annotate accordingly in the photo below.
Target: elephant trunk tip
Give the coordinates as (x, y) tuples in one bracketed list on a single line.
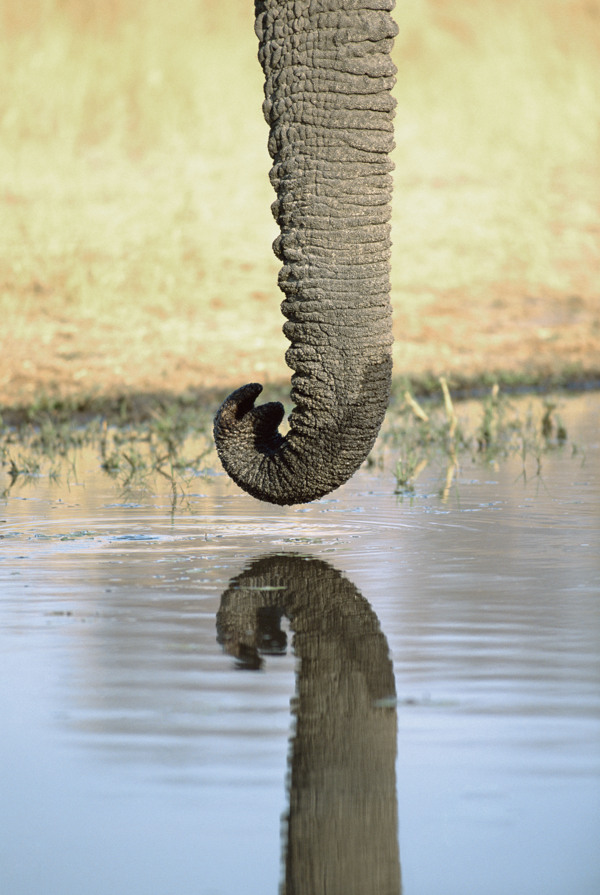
[(236, 406), (246, 435)]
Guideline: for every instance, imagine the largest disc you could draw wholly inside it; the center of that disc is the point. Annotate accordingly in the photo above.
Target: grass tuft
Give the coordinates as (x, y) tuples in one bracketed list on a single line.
[(494, 430)]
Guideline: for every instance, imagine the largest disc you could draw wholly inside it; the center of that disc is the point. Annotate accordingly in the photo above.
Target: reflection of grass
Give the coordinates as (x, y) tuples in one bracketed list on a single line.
[(135, 201)]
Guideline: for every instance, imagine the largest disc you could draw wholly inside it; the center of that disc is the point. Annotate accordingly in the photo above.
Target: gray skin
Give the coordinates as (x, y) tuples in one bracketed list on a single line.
[(328, 77)]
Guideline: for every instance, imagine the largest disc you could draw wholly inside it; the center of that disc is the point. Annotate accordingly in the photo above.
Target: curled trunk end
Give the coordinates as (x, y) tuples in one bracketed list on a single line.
[(328, 77)]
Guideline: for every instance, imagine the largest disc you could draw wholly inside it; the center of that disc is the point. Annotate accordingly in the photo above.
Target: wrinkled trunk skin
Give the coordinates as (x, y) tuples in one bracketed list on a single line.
[(341, 828), (328, 77)]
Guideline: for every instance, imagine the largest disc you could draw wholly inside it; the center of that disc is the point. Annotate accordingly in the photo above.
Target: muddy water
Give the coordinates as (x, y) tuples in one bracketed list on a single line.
[(370, 694)]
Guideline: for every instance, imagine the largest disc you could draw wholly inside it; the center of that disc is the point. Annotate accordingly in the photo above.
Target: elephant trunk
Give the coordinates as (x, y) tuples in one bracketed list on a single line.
[(328, 77)]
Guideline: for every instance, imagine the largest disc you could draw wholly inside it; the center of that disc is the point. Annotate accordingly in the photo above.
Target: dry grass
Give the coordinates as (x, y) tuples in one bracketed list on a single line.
[(135, 204)]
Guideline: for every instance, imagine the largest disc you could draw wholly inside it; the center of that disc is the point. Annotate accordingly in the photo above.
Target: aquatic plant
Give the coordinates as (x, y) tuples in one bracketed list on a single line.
[(491, 429)]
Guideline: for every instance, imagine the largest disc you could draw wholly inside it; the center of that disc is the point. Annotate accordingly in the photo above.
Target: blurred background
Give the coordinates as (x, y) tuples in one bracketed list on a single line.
[(135, 224)]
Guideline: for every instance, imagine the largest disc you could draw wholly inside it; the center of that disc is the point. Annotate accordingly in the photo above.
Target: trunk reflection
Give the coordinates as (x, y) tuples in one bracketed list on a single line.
[(341, 828)]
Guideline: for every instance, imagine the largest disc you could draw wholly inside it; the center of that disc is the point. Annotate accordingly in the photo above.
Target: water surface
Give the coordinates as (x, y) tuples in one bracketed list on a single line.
[(368, 694)]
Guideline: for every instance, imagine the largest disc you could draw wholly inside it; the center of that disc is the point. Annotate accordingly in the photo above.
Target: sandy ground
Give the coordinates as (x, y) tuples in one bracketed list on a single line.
[(474, 339), (472, 335), (134, 200), (102, 306)]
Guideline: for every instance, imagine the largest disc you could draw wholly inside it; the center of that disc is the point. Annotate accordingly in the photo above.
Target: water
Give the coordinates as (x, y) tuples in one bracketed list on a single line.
[(369, 694)]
